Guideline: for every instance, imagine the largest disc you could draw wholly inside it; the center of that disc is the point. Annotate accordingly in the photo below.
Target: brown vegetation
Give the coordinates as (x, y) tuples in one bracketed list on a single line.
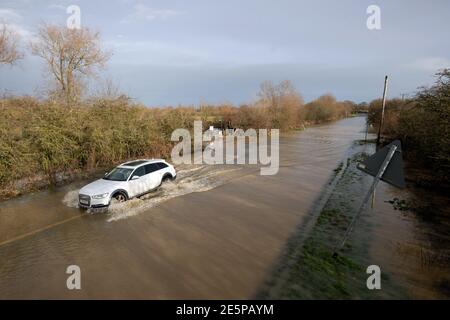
[(68, 132), (326, 107), (44, 137)]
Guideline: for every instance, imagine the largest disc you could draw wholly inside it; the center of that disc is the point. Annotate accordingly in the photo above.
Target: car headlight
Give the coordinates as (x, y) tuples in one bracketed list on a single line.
[(100, 196)]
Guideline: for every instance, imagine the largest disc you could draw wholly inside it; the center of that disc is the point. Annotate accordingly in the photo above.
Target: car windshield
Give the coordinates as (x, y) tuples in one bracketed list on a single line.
[(118, 174)]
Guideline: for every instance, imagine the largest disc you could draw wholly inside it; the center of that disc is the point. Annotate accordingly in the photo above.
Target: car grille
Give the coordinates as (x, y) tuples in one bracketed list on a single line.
[(84, 200)]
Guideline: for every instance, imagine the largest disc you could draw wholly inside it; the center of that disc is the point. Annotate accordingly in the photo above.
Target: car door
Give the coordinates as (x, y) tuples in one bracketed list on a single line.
[(163, 168), (153, 176), (137, 186)]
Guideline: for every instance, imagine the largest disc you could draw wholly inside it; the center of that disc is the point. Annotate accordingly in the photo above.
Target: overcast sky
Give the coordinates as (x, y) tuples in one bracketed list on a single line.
[(170, 52)]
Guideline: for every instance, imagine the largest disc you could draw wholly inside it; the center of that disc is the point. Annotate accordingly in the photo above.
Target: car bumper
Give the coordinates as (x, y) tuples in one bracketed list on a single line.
[(86, 202)]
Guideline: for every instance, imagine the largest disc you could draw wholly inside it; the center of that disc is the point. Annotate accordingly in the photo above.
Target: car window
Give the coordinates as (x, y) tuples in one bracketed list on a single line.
[(152, 167), (162, 165), (139, 172), (118, 174)]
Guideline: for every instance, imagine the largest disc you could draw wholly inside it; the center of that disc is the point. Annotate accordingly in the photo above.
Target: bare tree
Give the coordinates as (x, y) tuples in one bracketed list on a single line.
[(72, 55), (9, 41), (108, 91), (283, 103)]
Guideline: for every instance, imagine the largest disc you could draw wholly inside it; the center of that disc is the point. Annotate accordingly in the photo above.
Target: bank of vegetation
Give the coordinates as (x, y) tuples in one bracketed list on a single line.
[(72, 131), (422, 123), (50, 140)]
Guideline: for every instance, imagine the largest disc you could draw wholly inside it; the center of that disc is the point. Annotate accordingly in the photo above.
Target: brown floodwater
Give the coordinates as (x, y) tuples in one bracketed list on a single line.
[(413, 247), (214, 233)]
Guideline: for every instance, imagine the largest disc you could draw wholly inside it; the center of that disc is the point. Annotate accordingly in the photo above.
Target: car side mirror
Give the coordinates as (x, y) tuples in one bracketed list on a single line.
[(106, 173), (135, 177)]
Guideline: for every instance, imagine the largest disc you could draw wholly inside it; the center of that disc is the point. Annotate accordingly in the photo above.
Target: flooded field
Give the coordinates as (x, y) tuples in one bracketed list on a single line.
[(215, 232)]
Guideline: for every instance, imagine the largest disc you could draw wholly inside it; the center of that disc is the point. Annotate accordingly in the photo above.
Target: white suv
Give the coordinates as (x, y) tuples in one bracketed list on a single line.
[(128, 180)]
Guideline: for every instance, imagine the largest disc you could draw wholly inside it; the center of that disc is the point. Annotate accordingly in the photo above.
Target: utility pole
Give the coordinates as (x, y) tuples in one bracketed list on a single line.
[(367, 129), (382, 110), (367, 124)]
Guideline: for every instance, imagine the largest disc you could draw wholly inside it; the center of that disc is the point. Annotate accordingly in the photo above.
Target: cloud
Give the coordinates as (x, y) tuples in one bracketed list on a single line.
[(144, 12), (20, 30), (9, 15), (57, 7), (198, 51), (152, 52), (430, 64), (13, 20)]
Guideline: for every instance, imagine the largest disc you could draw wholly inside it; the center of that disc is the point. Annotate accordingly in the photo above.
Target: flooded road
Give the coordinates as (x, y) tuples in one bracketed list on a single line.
[(213, 233)]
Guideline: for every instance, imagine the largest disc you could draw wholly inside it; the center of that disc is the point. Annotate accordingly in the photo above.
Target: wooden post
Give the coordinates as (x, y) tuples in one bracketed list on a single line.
[(382, 110)]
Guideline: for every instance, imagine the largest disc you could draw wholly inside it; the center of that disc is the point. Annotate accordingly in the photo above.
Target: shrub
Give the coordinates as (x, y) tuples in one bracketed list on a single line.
[(422, 123), (45, 137)]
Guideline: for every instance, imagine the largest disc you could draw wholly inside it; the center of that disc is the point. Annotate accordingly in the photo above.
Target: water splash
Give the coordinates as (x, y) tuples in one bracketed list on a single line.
[(71, 199), (189, 179)]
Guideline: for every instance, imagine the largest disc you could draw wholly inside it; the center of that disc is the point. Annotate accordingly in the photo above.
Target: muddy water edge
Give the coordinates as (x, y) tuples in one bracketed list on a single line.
[(219, 232), (405, 234)]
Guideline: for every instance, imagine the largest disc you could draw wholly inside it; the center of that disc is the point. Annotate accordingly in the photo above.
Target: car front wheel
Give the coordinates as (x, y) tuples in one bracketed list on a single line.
[(120, 197)]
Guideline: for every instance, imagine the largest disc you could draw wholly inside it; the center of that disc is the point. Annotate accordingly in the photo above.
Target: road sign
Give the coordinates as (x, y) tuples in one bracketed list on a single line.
[(386, 165), (393, 173)]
